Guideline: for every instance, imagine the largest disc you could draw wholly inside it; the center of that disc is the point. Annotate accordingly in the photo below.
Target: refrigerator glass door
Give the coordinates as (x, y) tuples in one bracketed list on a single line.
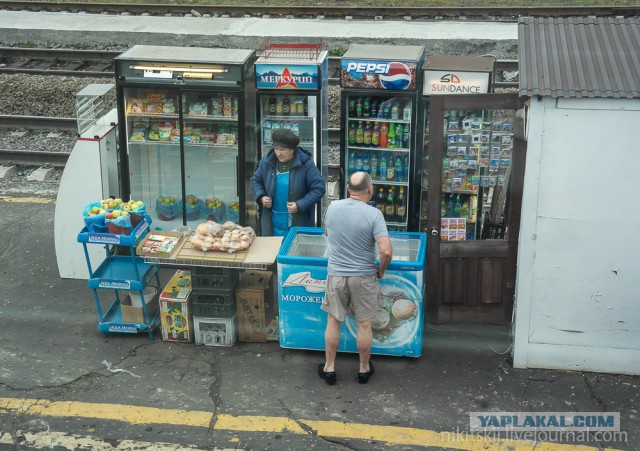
[(476, 165), (153, 148), (210, 134), (295, 111), (378, 141)]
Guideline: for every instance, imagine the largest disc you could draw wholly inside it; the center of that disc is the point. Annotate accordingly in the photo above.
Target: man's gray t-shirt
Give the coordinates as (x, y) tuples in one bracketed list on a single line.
[(352, 227)]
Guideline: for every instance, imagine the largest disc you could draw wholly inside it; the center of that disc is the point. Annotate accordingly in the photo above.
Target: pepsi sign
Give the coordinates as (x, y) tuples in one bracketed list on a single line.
[(389, 75)]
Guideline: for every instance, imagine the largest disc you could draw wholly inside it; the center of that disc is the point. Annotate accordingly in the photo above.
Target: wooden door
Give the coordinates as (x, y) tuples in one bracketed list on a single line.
[(474, 161)]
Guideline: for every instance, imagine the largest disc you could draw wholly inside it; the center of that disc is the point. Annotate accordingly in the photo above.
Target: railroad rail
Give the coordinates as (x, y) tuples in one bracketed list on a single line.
[(38, 122), (99, 64), (34, 157), (333, 12)]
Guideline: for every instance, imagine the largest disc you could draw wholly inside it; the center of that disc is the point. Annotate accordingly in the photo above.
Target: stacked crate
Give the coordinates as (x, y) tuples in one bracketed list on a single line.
[(214, 305)]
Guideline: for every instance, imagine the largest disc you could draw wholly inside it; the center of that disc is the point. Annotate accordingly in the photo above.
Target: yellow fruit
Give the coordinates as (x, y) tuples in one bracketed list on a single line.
[(113, 204), (124, 213), (95, 209), (118, 201), (116, 214)]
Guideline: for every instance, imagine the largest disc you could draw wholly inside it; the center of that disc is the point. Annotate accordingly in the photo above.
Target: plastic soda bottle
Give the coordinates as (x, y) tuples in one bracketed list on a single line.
[(272, 105), (391, 136), (443, 207), (279, 106), (399, 169), (401, 206), (464, 209), (457, 207), (367, 135), (375, 136), (352, 107), (384, 137), (374, 108), (383, 167), (391, 170), (359, 134), (406, 112), (358, 161), (406, 135), (366, 163), (352, 134), (366, 108), (450, 203), (286, 106), (395, 111), (358, 107), (380, 201), (390, 207), (374, 166), (351, 164)]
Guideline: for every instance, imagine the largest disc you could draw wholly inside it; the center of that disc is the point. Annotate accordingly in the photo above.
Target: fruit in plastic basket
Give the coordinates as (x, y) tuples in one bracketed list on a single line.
[(95, 210), (118, 201), (116, 214), (109, 215), (124, 213), (213, 203), (192, 200), (113, 204)]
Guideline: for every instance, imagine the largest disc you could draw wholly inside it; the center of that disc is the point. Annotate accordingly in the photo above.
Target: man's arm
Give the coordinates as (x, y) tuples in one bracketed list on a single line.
[(386, 252)]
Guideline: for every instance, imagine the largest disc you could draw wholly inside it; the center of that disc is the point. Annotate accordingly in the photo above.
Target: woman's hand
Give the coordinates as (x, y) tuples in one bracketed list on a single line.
[(267, 201), (292, 207)]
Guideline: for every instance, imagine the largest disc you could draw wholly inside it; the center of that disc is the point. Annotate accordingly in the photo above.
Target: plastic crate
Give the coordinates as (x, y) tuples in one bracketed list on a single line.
[(214, 279), (219, 304), (215, 331)]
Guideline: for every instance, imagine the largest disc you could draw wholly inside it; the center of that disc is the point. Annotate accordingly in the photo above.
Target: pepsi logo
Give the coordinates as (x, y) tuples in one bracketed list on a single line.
[(397, 78)]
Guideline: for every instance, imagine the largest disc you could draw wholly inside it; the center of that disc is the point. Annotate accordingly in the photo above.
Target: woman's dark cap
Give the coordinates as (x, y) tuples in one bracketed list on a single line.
[(283, 137)]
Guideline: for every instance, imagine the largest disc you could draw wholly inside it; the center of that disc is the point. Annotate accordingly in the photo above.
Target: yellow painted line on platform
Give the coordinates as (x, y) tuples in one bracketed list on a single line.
[(27, 200), (391, 435)]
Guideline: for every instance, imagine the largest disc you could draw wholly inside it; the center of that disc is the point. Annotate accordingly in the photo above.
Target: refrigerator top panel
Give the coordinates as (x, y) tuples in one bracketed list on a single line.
[(385, 52), (464, 63), (294, 60), (200, 55)]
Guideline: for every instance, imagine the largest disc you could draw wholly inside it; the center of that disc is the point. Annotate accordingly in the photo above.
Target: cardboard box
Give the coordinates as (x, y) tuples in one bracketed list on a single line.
[(159, 244), (175, 312), (131, 314), (254, 290), (176, 321)]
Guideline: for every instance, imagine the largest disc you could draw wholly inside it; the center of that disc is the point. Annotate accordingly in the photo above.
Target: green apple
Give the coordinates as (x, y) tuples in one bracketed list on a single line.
[(95, 209), (113, 204), (118, 201), (116, 214)]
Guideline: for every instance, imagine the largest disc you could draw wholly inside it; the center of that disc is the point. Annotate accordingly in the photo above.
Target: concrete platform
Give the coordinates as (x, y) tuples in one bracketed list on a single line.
[(439, 37), (52, 354)]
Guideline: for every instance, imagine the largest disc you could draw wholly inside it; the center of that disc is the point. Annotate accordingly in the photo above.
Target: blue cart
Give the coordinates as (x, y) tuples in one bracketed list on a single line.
[(121, 272), (302, 271)]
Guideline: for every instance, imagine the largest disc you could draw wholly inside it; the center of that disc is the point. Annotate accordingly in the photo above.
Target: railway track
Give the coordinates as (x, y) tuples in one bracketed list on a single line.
[(333, 12), (99, 64)]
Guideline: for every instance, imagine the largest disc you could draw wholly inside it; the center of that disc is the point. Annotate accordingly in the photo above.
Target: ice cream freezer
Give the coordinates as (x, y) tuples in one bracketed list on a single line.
[(302, 272)]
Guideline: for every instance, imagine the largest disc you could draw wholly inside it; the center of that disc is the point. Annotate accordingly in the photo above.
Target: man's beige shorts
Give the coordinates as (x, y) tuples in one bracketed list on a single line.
[(359, 295)]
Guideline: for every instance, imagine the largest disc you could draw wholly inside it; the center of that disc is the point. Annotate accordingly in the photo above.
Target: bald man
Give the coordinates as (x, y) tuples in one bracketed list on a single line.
[(353, 228)]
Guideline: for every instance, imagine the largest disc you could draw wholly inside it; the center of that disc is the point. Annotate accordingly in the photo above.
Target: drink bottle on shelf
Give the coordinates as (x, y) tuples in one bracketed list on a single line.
[(401, 206), (450, 203), (395, 111), (384, 137), (374, 166), (464, 209), (352, 107), (375, 136), (391, 136), (390, 206), (351, 164), (352, 134), (295, 128), (359, 161), (399, 169), (265, 106), (380, 201), (272, 105), (359, 134), (456, 206), (366, 162), (305, 106), (358, 107), (383, 167), (391, 171), (374, 108), (286, 106), (366, 108), (443, 208), (386, 110), (367, 135), (406, 135), (406, 112)]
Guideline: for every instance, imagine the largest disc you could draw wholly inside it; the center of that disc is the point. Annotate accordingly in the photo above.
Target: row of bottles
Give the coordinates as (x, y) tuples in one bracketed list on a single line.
[(374, 134), (269, 126), (285, 106), (453, 206), (394, 208), (381, 166), (376, 108)]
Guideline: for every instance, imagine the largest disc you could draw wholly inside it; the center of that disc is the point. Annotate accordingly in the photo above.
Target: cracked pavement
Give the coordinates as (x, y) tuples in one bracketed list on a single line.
[(51, 350)]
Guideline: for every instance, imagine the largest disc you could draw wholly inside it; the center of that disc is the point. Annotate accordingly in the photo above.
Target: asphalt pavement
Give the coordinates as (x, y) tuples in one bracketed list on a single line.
[(64, 385)]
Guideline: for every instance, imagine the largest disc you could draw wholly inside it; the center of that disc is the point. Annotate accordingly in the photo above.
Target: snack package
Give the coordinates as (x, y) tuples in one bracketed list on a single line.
[(94, 218), (167, 207), (135, 105), (169, 106), (229, 237), (152, 107), (226, 106), (138, 131), (198, 109), (216, 106)]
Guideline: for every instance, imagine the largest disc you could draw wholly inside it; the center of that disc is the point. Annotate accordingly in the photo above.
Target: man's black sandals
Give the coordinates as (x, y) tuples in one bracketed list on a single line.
[(363, 378), (328, 376)]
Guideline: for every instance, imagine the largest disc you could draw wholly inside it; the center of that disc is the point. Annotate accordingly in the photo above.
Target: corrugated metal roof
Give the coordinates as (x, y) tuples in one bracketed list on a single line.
[(579, 57)]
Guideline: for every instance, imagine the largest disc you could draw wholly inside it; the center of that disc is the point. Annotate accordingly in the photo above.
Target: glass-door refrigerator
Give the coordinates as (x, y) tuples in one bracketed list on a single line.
[(187, 147), (379, 98), (472, 146), (292, 84)]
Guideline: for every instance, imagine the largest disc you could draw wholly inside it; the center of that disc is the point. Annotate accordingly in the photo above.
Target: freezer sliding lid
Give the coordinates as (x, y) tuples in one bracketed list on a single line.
[(200, 55), (309, 244), (384, 52)]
